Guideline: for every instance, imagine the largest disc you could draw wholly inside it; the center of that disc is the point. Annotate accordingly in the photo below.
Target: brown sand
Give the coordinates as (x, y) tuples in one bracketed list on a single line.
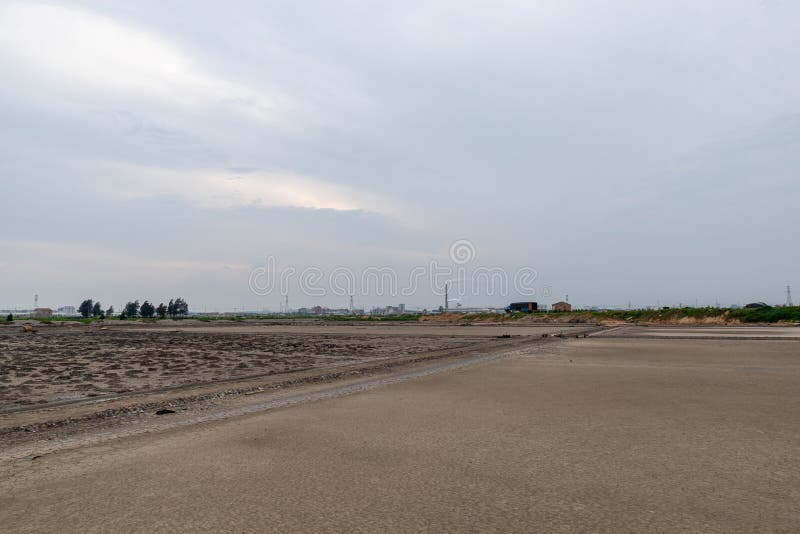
[(59, 366), (599, 435)]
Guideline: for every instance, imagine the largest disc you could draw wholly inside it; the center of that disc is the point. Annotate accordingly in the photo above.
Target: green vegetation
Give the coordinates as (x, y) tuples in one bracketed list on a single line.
[(90, 309), (131, 309), (767, 314), (178, 308), (147, 310), (85, 308)]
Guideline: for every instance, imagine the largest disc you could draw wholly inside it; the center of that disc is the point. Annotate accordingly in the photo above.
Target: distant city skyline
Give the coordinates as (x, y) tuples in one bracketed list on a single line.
[(455, 306)]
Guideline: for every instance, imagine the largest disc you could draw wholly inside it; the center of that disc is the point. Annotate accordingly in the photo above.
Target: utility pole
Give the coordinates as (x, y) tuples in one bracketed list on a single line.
[(351, 303), (446, 299), (789, 296)]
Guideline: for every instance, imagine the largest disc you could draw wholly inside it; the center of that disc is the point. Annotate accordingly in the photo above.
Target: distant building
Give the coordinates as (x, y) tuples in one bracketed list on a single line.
[(322, 310), (562, 306), (528, 307), (389, 310), (42, 313)]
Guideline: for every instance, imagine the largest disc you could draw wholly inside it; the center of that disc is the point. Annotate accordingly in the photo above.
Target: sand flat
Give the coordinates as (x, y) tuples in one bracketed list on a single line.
[(732, 332), (426, 329), (602, 435), (59, 364)]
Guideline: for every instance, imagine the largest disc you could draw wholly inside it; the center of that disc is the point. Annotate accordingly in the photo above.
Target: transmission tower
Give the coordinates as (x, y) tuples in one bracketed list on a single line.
[(789, 296)]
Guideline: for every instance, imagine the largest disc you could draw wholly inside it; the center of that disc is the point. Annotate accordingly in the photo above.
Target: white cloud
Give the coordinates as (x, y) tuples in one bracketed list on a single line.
[(210, 188), (79, 51)]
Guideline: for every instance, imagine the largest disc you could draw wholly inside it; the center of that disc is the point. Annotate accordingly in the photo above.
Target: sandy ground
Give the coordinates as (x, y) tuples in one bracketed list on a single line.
[(707, 332), (593, 435), (62, 364), (366, 328)]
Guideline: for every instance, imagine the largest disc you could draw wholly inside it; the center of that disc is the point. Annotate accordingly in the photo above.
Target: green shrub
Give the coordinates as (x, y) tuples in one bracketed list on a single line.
[(767, 314)]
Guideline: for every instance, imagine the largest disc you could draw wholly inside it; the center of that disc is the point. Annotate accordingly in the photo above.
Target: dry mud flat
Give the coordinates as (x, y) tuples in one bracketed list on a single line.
[(590, 435), (60, 365), (55, 366), (695, 431)]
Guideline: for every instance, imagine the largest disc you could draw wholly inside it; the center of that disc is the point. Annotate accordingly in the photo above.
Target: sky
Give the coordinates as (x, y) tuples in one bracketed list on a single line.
[(618, 152)]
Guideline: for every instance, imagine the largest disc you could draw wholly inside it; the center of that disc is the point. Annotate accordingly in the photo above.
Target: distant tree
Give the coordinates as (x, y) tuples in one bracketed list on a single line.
[(10, 317), (110, 311), (161, 311), (122, 316), (147, 310), (180, 307), (132, 309), (97, 310), (85, 308), (171, 308)]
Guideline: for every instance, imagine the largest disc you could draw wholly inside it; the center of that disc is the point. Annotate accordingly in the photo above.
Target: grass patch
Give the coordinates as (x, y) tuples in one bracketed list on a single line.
[(768, 314)]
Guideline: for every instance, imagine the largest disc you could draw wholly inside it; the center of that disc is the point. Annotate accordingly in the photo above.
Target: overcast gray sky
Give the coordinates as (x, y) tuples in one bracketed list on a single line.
[(625, 150)]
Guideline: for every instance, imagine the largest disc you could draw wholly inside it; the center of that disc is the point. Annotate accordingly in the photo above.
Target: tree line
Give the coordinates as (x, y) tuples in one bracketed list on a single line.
[(146, 310)]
